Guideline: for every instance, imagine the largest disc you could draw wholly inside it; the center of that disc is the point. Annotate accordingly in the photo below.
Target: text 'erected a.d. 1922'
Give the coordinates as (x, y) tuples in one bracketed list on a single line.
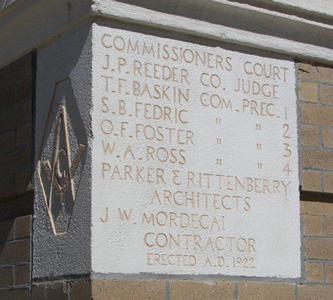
[(194, 159)]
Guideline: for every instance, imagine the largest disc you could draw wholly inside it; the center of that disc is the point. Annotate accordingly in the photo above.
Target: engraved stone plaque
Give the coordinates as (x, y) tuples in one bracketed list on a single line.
[(194, 159)]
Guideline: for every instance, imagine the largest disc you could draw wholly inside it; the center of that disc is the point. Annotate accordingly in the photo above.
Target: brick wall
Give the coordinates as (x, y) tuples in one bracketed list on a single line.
[(15, 258), (208, 289), (318, 242), (15, 268), (315, 94), (75, 289)]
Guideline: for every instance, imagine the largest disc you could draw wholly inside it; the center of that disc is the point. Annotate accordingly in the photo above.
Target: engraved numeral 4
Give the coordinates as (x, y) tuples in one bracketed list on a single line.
[(287, 169)]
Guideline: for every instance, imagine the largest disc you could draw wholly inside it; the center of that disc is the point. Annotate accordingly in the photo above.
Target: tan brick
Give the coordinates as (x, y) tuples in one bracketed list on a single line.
[(327, 136), (22, 251), (329, 272), (326, 94), (19, 294), (305, 71), (57, 291), (22, 227), (264, 291), (7, 254), (308, 91), (310, 136), (38, 292), (195, 290), (81, 290), (128, 289), (6, 277), (327, 226), (316, 208), (328, 182), (312, 225), (315, 292), (314, 272), (22, 274), (317, 159), (313, 114), (7, 230), (318, 73), (311, 181), (15, 252), (318, 248)]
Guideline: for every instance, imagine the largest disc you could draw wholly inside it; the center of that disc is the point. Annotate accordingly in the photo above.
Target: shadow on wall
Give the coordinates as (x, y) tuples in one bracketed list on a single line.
[(6, 234)]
